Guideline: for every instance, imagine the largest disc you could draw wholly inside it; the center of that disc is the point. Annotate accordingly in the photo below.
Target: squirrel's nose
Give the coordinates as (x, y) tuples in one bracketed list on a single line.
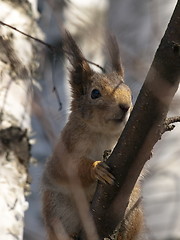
[(124, 107)]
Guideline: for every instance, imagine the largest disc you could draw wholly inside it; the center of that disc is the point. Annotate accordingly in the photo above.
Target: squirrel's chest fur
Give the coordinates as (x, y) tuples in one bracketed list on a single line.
[(100, 144), (81, 141)]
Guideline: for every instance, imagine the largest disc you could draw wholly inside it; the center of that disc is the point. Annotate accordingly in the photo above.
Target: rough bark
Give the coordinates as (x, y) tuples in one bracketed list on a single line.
[(17, 62), (142, 131)]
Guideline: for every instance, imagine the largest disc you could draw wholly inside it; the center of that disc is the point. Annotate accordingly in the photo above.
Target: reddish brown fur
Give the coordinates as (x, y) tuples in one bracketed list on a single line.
[(94, 126), (132, 226)]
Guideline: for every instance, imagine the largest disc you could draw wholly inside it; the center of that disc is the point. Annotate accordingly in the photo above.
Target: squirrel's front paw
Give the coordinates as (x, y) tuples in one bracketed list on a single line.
[(101, 173)]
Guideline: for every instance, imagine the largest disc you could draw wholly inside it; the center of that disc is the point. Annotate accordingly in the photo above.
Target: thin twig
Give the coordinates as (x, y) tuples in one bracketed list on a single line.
[(52, 48), (168, 126), (29, 36), (97, 65)]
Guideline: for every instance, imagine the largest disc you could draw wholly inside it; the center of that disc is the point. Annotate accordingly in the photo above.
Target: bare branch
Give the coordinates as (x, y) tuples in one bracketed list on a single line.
[(49, 46), (27, 35), (168, 126), (143, 130)]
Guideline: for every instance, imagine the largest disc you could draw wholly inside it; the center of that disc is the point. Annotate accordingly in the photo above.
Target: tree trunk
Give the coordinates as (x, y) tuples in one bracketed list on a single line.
[(17, 62)]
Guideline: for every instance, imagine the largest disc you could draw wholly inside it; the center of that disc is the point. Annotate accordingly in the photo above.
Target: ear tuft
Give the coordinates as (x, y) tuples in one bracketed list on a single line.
[(74, 54), (115, 55), (81, 71), (72, 50)]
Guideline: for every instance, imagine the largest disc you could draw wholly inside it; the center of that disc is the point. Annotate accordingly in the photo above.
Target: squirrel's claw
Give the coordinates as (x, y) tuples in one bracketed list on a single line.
[(100, 172)]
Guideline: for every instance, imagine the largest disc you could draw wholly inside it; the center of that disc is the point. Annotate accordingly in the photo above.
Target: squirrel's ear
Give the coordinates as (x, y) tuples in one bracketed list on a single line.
[(81, 71), (115, 56)]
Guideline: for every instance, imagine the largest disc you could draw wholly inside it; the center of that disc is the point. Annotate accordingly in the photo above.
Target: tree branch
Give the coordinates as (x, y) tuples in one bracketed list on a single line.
[(168, 123), (28, 35), (143, 130)]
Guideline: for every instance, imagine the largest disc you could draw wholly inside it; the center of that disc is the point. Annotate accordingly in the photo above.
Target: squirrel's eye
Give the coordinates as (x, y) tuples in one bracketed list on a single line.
[(95, 94)]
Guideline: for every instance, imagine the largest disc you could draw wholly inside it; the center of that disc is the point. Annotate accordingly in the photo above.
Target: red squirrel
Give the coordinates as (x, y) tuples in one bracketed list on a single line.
[(100, 106)]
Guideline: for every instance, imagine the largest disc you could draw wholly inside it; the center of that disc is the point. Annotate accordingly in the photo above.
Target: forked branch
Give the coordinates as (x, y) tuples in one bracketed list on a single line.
[(143, 130)]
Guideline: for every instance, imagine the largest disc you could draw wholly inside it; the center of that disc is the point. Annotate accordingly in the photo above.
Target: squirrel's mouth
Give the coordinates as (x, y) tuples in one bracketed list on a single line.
[(118, 120)]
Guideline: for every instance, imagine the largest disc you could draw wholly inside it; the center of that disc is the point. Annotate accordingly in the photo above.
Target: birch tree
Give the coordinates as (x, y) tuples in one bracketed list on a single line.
[(17, 63)]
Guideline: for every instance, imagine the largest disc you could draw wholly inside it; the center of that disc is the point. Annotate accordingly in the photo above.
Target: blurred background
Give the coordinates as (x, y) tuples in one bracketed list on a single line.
[(139, 26)]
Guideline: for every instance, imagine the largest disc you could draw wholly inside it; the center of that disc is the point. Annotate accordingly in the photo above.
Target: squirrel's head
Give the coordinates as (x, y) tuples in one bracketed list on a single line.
[(103, 101)]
